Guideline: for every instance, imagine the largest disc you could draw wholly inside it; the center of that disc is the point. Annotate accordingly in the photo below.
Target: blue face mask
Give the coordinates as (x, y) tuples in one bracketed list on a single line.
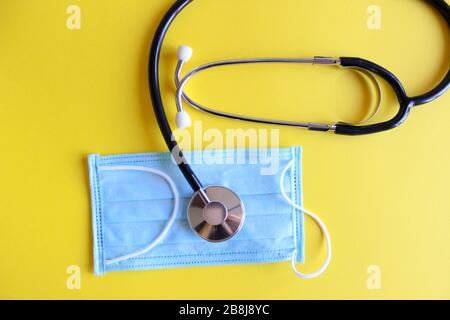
[(139, 205)]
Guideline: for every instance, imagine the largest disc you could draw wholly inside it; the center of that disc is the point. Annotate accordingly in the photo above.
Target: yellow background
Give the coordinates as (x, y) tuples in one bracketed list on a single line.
[(67, 93)]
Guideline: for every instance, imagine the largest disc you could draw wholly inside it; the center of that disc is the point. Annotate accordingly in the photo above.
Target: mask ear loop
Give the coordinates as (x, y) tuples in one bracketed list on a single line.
[(317, 220), (170, 222)]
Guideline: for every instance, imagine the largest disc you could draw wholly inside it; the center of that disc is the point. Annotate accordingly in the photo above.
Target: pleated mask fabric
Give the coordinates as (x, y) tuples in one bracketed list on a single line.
[(131, 207)]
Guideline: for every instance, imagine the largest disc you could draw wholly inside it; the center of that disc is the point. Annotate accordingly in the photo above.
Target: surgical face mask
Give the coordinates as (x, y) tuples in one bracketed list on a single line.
[(139, 205)]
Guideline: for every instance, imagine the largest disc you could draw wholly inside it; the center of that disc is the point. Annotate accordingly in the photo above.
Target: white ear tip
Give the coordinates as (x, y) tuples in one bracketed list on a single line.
[(185, 53), (183, 120)]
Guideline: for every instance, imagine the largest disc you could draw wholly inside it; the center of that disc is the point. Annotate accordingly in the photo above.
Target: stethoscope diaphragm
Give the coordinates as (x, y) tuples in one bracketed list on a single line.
[(218, 218)]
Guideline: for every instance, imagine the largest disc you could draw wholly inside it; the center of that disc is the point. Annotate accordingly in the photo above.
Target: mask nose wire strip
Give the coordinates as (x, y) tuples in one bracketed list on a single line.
[(318, 221), (171, 220)]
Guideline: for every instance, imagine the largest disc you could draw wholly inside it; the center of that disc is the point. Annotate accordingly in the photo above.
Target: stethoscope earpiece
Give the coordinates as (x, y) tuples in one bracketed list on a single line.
[(183, 120), (184, 53)]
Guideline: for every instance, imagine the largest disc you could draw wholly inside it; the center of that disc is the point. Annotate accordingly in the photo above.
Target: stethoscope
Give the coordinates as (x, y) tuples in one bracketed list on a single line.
[(216, 213)]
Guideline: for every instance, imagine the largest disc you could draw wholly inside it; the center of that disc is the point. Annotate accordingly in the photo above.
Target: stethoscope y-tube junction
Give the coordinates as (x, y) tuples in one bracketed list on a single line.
[(406, 103)]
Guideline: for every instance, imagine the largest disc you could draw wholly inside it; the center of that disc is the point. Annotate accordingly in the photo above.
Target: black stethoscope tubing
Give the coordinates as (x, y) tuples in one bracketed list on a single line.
[(405, 102)]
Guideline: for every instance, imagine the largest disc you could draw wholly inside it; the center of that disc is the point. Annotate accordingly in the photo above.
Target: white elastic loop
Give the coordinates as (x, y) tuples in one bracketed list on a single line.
[(317, 220), (170, 222)]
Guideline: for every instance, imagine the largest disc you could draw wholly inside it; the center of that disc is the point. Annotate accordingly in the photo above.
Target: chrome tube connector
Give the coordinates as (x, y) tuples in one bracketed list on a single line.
[(326, 60), (320, 127)]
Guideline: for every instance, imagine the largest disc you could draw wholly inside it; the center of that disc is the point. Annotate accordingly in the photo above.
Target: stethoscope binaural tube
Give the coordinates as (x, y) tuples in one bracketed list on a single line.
[(406, 103)]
